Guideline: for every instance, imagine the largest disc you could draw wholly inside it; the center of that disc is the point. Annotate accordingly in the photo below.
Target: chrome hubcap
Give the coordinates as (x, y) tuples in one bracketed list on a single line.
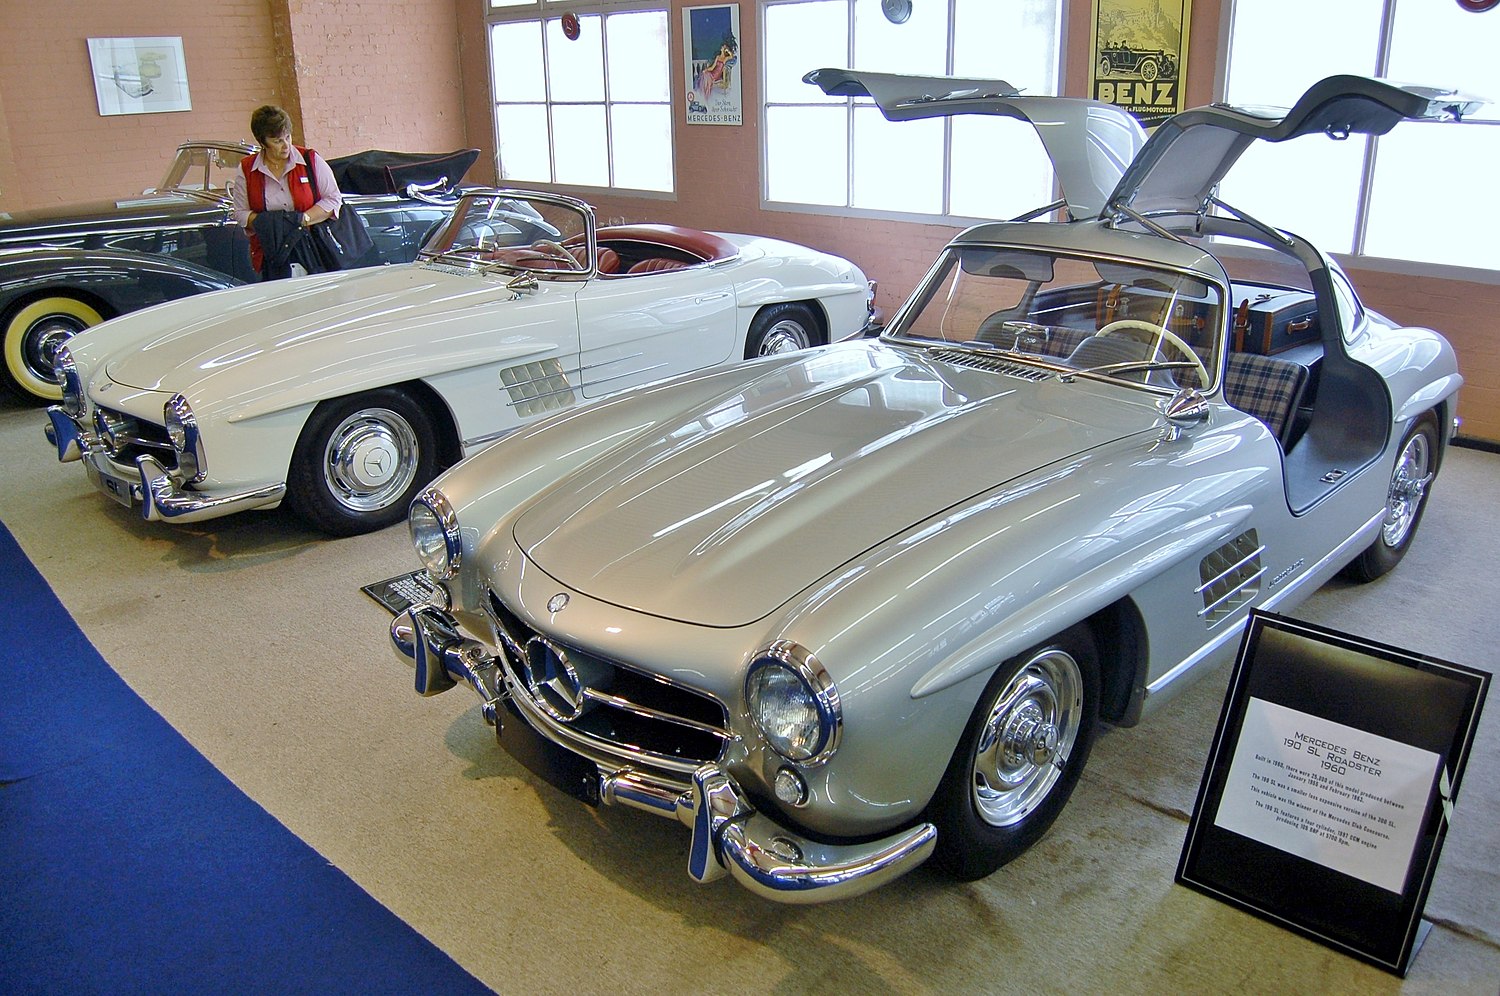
[(785, 336), (371, 460), (1408, 487), (42, 341), (1027, 738)]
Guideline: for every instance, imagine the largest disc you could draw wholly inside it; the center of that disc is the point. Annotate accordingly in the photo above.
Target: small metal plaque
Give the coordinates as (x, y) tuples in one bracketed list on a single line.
[(400, 593)]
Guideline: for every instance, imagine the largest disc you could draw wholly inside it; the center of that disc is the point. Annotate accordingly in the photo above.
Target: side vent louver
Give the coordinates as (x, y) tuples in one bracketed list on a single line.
[(537, 387), (1230, 577)]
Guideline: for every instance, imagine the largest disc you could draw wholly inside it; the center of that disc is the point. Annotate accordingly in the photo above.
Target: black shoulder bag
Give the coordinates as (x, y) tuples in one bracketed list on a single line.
[(343, 242)]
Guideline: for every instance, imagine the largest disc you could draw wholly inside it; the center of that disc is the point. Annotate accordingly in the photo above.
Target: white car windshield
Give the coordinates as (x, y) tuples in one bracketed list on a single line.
[(202, 169), (514, 232), (1125, 320)]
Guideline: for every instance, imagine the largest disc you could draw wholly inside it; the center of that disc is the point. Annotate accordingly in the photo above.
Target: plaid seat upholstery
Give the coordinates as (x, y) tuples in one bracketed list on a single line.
[(1266, 387)]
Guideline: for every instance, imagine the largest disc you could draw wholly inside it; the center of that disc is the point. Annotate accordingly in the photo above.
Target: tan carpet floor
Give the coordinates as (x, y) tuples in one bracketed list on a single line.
[(251, 636)]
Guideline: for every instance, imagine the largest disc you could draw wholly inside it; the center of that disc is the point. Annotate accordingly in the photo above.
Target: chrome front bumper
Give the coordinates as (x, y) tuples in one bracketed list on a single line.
[(729, 835), (151, 486)]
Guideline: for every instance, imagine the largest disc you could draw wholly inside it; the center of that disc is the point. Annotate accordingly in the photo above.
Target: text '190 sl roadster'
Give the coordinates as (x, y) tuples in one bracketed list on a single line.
[(846, 610), (344, 393)]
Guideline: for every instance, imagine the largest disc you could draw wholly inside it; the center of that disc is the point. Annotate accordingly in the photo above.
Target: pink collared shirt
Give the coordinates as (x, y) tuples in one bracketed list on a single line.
[(278, 192)]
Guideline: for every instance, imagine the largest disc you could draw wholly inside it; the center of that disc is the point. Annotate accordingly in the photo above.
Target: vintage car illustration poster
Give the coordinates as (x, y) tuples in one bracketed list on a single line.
[(1140, 48), (713, 64), (139, 75)]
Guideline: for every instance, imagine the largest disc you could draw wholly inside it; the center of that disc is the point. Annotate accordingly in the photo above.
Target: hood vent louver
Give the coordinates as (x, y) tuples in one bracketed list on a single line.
[(994, 364)]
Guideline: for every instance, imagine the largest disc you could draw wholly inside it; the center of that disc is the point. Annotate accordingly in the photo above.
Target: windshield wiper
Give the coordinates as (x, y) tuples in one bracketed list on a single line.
[(1131, 366)]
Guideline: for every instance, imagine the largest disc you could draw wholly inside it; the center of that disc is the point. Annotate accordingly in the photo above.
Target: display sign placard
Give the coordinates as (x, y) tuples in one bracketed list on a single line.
[(400, 593), (1329, 786)]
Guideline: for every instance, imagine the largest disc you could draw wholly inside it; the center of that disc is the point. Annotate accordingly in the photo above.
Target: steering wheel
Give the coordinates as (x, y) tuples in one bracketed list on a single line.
[(1161, 333), (552, 250)]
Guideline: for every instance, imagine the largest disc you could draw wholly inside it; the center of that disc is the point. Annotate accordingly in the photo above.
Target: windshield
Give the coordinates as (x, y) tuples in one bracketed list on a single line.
[(1124, 320), (522, 232), (204, 168)]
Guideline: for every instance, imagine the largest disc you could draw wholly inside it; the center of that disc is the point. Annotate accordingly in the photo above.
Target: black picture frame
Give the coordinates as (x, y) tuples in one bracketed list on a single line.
[(1376, 691)]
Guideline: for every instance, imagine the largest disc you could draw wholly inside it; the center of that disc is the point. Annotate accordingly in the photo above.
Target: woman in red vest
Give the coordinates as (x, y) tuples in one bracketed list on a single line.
[(276, 179)]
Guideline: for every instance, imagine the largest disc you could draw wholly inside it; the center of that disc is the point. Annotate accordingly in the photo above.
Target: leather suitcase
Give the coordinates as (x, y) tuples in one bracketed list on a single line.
[(1268, 323)]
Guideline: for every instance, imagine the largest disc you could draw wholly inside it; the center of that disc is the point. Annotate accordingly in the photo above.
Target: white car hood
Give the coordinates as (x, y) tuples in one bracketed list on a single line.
[(720, 518), (314, 329)]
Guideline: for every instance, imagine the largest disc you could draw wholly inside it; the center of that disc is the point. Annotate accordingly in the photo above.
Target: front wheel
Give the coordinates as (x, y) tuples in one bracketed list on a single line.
[(781, 328), (1406, 500), (32, 337), (1020, 756), (360, 460)]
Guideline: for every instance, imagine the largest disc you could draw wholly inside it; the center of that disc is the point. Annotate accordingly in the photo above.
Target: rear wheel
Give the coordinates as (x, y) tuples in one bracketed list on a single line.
[(33, 334), (781, 328), (1406, 500), (1020, 756), (360, 460)]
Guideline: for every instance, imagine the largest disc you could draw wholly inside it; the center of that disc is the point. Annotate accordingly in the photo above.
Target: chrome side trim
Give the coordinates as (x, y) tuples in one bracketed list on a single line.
[(163, 501)]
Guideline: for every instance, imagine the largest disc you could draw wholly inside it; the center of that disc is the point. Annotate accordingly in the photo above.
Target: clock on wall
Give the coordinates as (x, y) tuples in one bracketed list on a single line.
[(896, 11)]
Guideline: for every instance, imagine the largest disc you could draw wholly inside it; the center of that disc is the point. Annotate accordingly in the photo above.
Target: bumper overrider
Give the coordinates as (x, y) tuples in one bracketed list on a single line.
[(159, 492), (729, 835)]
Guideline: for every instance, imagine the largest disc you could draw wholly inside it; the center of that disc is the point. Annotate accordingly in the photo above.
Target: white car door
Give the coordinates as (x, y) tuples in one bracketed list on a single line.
[(642, 327)]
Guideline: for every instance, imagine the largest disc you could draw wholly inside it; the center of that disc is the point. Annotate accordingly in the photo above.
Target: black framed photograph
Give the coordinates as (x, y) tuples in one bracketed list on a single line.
[(1329, 786)]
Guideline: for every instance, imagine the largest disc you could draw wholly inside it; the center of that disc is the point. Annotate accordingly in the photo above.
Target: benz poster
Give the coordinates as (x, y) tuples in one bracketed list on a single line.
[(1140, 49)]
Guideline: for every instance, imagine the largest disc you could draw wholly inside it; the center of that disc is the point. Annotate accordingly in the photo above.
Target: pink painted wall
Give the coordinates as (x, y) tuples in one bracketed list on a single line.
[(413, 76)]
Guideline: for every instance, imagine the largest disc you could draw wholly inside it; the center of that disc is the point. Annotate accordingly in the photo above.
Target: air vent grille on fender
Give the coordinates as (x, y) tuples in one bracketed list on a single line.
[(1230, 577)]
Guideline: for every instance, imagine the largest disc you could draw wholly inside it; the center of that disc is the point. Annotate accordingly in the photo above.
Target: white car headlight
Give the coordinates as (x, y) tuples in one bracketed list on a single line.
[(794, 704), (66, 372), (434, 532), (182, 430)]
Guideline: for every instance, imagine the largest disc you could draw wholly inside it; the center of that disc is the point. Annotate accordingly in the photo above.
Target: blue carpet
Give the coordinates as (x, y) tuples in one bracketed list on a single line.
[(128, 863)]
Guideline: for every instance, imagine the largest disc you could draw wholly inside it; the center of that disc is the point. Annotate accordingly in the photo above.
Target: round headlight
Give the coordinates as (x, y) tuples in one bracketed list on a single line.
[(794, 704), (66, 373), (434, 533)]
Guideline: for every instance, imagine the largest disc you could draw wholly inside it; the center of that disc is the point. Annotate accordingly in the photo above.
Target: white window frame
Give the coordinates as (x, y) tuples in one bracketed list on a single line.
[(871, 8), (1358, 259), (545, 10)]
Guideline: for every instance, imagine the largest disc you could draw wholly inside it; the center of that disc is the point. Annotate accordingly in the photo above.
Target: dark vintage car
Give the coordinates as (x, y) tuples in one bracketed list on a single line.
[(107, 258), (1148, 64)]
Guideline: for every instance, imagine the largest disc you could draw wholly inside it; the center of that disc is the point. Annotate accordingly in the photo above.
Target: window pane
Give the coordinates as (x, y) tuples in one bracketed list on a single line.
[(1445, 45), (642, 146), (580, 146), (638, 56), (516, 57), (799, 38), (1420, 210), (918, 46), (807, 155), (1309, 185), (1000, 169), (1278, 48), (1015, 41), (898, 165), (575, 69), (521, 130)]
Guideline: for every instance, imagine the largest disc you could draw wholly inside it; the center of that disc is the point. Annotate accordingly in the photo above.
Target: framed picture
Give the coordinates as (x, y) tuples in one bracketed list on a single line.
[(713, 64), (139, 75)]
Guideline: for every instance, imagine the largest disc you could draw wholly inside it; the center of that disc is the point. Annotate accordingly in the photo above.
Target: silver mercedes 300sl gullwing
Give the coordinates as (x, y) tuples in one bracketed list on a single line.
[(342, 394), (844, 610)]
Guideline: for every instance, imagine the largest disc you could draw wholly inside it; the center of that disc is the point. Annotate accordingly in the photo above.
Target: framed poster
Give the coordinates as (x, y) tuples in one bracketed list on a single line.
[(713, 64), (1139, 51), (1329, 787), (139, 75)]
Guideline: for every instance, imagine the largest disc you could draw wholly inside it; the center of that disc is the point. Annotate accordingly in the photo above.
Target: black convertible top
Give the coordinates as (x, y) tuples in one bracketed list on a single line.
[(377, 172)]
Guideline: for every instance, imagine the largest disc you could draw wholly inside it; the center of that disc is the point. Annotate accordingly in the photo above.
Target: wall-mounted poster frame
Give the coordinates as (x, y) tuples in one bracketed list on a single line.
[(1330, 784), (139, 75), (1139, 56), (712, 50)]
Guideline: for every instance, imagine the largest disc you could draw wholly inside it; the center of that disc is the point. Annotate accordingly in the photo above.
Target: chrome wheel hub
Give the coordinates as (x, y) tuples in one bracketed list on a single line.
[(1027, 738), (1409, 483), (371, 459), (43, 340), (785, 336)]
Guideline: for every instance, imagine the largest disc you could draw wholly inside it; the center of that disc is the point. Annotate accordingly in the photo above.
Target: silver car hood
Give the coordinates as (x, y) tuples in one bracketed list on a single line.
[(267, 331), (722, 516)]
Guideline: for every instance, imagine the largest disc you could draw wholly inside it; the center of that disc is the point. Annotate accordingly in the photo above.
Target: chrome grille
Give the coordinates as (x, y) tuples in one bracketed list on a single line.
[(1230, 577), (127, 437), (994, 364), (617, 710)]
